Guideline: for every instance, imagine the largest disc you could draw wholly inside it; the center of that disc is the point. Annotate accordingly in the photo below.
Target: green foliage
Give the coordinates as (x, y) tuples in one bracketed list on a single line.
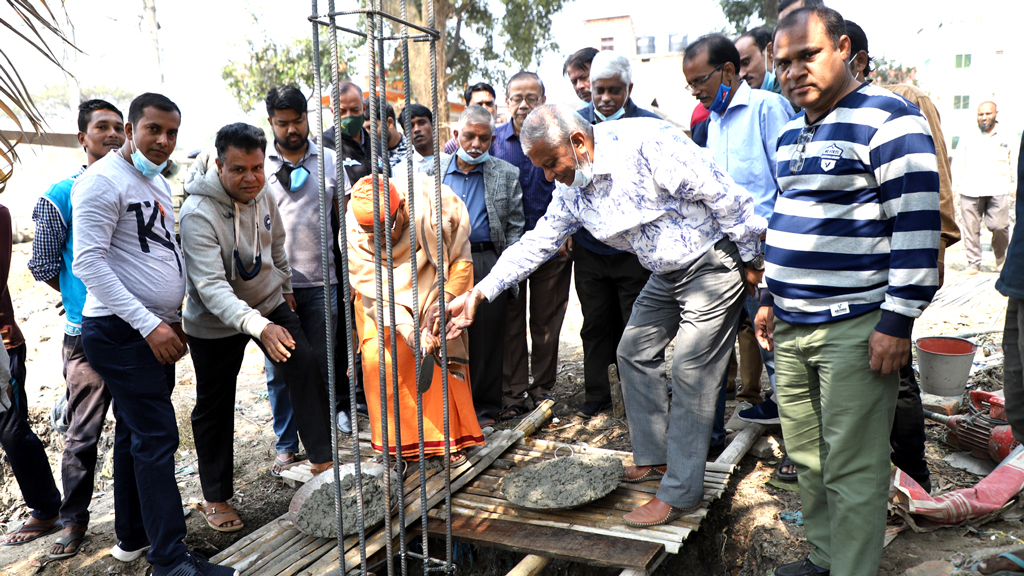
[(270, 63), (739, 13), (888, 71), (53, 100), (525, 29)]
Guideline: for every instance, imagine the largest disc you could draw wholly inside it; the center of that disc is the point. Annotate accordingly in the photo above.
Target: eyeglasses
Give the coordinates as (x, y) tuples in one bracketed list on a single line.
[(531, 99), (701, 81), (796, 163)]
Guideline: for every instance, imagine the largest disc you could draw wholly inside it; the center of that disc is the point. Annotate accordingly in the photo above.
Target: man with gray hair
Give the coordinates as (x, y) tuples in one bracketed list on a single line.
[(607, 280), (642, 186), (494, 200)]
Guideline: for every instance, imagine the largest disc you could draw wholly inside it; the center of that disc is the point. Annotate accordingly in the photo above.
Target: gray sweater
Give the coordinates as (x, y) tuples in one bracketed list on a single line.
[(124, 246), (213, 225)]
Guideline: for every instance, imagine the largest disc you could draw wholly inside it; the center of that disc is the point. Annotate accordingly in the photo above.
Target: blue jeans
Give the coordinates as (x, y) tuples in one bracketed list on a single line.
[(750, 306), (310, 309), (146, 497)]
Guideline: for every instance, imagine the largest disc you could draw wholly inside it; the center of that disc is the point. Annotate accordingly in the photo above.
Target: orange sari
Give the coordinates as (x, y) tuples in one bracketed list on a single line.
[(464, 431)]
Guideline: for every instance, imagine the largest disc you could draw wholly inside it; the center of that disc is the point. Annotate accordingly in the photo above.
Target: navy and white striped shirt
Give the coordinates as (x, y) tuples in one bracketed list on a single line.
[(857, 224)]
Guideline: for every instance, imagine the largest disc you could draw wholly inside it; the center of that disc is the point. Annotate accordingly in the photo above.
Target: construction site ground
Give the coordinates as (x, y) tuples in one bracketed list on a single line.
[(743, 534)]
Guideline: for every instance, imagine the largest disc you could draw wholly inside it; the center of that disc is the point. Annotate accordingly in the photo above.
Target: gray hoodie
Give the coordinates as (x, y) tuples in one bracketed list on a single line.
[(220, 302)]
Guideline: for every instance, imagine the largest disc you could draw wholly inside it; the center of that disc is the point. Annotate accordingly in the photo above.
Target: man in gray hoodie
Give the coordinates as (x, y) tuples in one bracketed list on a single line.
[(229, 221)]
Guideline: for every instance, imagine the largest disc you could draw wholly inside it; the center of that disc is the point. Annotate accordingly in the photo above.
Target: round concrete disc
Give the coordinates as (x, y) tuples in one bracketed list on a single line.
[(563, 482)]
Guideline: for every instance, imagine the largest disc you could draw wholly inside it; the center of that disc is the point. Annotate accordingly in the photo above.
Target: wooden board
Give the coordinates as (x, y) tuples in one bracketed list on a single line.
[(591, 549)]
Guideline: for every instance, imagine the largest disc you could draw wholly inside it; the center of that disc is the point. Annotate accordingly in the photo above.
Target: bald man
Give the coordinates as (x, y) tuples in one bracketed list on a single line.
[(984, 175)]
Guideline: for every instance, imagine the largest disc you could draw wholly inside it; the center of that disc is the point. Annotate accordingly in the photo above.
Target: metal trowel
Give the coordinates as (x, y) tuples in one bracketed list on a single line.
[(426, 375)]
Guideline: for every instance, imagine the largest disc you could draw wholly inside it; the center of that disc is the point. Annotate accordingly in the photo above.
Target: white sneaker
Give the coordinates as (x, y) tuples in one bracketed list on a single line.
[(127, 555), (344, 425)]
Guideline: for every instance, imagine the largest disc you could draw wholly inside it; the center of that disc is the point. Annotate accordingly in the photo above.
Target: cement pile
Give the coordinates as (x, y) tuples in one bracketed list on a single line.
[(563, 482), (312, 509)]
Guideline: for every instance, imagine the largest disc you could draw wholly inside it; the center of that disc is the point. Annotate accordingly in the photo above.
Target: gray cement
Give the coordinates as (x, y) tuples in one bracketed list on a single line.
[(563, 482), (316, 515)]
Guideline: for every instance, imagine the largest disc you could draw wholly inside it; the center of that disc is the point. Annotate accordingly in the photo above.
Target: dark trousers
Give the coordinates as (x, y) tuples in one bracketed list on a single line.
[(487, 344), (217, 362), (1013, 378), (907, 436), (607, 286), (147, 502), (549, 297), (24, 450), (88, 400)]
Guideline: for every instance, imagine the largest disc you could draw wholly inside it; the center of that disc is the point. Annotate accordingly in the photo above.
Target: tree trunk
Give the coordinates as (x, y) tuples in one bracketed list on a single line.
[(149, 16), (419, 58)]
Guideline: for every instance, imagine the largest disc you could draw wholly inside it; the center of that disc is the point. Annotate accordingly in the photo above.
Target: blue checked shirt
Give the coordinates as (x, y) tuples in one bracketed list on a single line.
[(654, 194)]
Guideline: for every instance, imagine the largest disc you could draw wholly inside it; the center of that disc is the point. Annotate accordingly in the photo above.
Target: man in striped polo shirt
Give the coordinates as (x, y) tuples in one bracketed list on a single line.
[(851, 260)]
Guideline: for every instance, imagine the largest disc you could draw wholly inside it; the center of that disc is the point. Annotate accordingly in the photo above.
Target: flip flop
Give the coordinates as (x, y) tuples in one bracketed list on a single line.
[(65, 542), (783, 476), (511, 413), (216, 517), (280, 465), (1009, 556), (458, 459), (35, 530)]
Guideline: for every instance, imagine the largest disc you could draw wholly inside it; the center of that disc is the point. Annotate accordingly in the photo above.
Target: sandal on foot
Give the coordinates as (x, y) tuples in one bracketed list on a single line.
[(537, 400), (643, 473), (217, 515), (34, 531), (785, 477), (320, 468), (457, 459), (511, 413), (69, 546), (1011, 556), (282, 464)]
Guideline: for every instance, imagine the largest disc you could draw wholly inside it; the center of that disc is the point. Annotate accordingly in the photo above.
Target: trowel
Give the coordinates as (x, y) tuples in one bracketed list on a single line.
[(426, 375)]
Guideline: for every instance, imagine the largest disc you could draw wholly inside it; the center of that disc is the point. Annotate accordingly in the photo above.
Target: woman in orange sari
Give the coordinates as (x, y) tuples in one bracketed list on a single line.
[(464, 431)]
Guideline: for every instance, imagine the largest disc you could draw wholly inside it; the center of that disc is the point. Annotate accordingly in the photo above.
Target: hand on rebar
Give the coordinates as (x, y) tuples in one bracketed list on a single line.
[(764, 327), (887, 354), (463, 311), (278, 342)]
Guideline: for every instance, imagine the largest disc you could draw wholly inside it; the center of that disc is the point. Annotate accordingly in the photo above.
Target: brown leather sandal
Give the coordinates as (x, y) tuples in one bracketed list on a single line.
[(218, 514)]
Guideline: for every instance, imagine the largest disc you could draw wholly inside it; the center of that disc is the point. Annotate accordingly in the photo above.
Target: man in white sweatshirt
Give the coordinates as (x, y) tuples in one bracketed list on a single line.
[(125, 254), (228, 223)]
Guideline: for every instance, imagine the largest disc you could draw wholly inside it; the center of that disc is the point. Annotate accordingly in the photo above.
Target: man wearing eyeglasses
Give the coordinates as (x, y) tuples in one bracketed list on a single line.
[(743, 127), (292, 174), (240, 289), (852, 253)]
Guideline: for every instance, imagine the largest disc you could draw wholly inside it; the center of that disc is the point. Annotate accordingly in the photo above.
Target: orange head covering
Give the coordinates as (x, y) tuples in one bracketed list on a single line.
[(361, 200)]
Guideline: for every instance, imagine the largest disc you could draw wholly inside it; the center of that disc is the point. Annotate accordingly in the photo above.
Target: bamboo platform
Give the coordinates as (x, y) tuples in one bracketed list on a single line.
[(592, 534)]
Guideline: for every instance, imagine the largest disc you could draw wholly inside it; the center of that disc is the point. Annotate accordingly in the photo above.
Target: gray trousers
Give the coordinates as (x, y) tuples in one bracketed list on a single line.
[(995, 211), (699, 306)]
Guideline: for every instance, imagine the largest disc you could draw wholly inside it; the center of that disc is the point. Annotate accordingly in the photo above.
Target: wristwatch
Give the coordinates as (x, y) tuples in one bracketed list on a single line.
[(755, 263)]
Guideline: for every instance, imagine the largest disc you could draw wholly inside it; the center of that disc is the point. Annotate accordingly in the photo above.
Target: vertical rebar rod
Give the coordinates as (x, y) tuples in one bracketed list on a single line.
[(325, 265), (442, 305), (345, 297)]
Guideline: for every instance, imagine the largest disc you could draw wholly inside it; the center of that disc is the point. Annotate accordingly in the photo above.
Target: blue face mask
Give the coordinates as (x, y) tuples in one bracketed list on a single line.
[(721, 100), (582, 177), (769, 80), (145, 165), (469, 159), (294, 177)]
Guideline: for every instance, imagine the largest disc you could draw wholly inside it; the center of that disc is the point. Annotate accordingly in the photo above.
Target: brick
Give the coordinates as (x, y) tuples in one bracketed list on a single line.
[(768, 447), (932, 568), (947, 405)]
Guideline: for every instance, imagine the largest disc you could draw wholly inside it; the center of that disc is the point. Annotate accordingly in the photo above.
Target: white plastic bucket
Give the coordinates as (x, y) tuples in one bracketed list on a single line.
[(945, 363)]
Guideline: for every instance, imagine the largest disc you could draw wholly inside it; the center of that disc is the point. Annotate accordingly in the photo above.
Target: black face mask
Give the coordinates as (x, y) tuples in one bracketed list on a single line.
[(292, 178), (248, 274)]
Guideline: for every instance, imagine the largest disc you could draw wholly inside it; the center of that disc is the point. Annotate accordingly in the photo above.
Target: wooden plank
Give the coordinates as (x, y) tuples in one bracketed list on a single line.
[(530, 566), (592, 549)]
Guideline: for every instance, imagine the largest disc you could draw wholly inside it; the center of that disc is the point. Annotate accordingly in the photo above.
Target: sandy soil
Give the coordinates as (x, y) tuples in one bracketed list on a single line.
[(743, 535)]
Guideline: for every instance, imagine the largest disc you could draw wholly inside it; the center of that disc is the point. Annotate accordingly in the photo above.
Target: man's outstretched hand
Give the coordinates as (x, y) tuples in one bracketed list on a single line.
[(463, 312)]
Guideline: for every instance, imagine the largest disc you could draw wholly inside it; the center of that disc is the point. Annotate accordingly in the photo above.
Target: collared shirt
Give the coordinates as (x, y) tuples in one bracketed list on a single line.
[(584, 238), (536, 189), (985, 164), (53, 252), (743, 141), (654, 194), (470, 188), (300, 212), (856, 227), (420, 163)]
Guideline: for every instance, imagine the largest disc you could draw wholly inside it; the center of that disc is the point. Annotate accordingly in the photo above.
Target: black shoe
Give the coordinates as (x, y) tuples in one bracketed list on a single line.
[(190, 565), (590, 408), (802, 568)]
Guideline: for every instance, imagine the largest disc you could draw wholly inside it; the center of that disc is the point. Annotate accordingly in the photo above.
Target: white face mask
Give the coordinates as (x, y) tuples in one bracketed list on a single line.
[(584, 175)]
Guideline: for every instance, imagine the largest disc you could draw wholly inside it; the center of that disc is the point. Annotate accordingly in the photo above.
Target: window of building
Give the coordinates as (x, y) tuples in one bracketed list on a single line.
[(963, 60), (962, 102), (607, 43), (956, 140)]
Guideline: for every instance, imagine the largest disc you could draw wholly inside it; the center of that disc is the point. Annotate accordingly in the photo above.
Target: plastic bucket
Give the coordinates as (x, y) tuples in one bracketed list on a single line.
[(945, 363)]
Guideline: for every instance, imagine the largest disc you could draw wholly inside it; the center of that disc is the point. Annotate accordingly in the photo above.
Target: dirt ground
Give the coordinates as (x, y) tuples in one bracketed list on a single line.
[(743, 534)]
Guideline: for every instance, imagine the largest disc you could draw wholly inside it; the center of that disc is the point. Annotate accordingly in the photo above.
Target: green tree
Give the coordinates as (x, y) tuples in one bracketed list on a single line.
[(34, 25), (739, 13), (52, 100), (270, 63), (887, 71)]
